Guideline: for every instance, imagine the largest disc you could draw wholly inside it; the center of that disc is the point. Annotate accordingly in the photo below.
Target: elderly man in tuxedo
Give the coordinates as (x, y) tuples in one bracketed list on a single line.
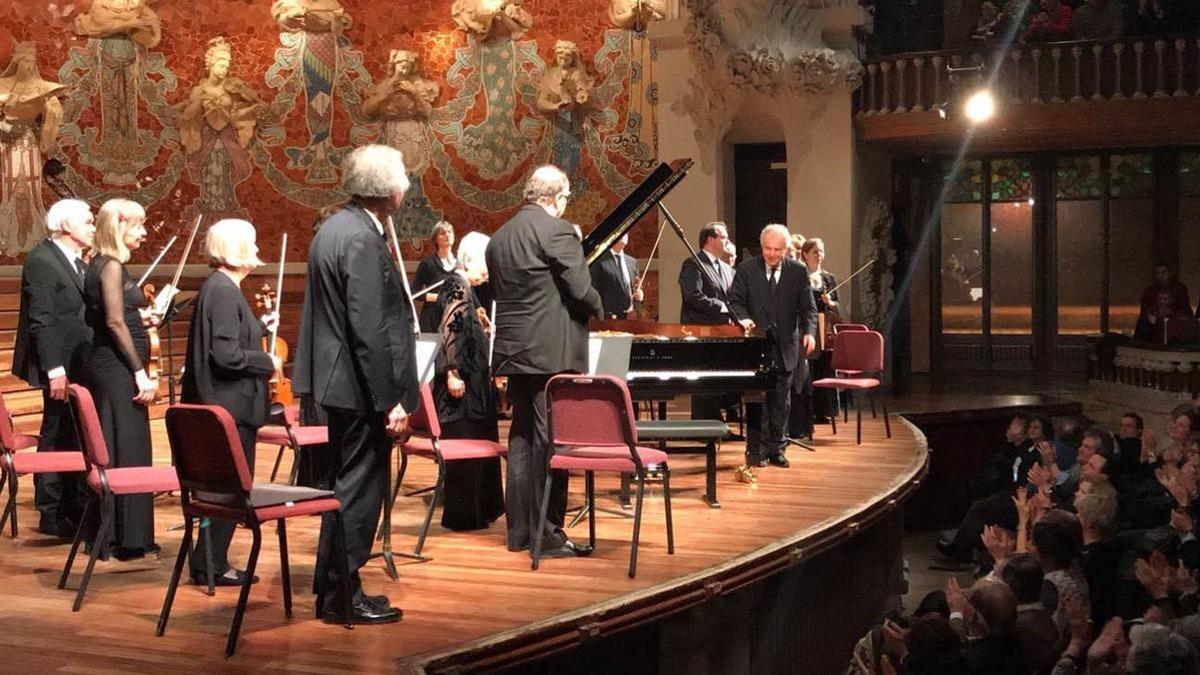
[(771, 292), (52, 339), (614, 276), (357, 359), (544, 298)]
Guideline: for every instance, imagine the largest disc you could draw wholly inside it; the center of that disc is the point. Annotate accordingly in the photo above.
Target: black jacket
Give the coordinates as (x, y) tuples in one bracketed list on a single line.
[(544, 295), (607, 280), (51, 331), (702, 298), (356, 348), (225, 363), (787, 316)]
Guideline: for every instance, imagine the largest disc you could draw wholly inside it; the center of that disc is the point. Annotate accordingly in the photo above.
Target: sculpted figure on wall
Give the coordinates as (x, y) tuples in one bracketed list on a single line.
[(310, 16), (403, 100), (492, 19), (135, 18), (565, 85), (218, 102), (30, 115), (636, 14)]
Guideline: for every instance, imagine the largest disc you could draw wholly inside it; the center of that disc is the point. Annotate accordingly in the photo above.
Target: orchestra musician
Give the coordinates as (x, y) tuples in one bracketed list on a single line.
[(614, 276), (704, 293), (817, 406), (544, 298), (771, 292), (357, 359), (225, 365), (115, 373), (435, 267), (52, 340)]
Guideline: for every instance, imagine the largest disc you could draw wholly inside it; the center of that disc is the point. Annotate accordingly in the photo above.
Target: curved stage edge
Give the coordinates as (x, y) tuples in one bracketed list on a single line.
[(797, 604)]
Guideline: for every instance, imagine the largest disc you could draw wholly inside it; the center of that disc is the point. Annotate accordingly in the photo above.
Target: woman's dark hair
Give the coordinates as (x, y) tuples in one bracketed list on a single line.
[(1023, 575), (1058, 542), (1047, 425)]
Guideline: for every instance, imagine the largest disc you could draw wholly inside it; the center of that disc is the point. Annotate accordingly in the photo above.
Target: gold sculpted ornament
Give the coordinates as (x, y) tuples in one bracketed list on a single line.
[(135, 18), (310, 16)]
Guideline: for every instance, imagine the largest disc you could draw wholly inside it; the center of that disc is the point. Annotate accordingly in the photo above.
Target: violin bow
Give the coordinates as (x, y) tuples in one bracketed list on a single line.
[(403, 273), (150, 269), (856, 273), (278, 294), (163, 301)]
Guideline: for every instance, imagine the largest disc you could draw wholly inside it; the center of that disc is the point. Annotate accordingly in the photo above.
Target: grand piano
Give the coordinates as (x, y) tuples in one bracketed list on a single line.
[(667, 359)]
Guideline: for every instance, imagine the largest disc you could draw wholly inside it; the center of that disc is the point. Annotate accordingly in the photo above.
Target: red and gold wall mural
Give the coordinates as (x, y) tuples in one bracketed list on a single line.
[(246, 108)]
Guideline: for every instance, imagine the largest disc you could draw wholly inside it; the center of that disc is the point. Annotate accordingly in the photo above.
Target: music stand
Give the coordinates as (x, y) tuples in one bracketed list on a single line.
[(179, 302)]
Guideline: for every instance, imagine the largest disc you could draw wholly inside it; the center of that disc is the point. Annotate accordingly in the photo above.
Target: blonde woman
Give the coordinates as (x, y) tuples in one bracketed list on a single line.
[(435, 267), (115, 372), (226, 366)]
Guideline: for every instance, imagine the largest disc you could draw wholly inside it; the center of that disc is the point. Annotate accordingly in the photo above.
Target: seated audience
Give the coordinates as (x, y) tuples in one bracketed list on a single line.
[(1052, 23), (989, 25), (1148, 18), (1034, 628), (1097, 20)]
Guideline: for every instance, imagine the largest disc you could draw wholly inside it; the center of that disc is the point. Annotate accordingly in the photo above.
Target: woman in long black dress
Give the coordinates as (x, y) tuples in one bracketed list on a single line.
[(226, 366), (114, 372), (435, 267), (824, 402), (464, 393)]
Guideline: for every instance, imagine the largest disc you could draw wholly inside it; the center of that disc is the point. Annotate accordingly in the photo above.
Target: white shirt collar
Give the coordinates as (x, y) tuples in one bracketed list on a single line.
[(71, 254), (711, 258), (374, 219)]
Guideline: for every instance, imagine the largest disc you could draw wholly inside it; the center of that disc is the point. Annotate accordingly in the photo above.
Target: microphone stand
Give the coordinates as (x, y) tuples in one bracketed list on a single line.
[(712, 278)]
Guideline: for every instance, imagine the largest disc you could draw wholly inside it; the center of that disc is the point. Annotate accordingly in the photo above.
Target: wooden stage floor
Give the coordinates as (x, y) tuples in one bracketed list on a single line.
[(474, 598)]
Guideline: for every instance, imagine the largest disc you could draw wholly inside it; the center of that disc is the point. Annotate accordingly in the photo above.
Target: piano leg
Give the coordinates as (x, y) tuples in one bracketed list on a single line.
[(710, 475)]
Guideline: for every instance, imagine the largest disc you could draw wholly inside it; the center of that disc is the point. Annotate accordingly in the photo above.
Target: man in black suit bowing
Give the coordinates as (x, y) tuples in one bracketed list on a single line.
[(357, 359), (544, 297), (52, 339), (704, 290), (771, 292), (614, 276)]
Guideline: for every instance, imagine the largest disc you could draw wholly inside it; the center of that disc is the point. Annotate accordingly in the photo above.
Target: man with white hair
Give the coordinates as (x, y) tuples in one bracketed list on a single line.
[(357, 359), (544, 297), (771, 292), (52, 338)]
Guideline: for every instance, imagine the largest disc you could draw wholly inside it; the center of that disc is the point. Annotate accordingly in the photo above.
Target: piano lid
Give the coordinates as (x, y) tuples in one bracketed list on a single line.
[(631, 209)]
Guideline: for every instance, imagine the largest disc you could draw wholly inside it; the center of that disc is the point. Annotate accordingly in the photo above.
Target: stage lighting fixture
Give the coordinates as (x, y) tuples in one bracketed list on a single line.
[(980, 107)]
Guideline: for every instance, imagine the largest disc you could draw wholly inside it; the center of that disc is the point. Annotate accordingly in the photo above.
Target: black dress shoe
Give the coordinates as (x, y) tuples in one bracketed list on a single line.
[(123, 554), (569, 549), (237, 578), (365, 613), (779, 461)]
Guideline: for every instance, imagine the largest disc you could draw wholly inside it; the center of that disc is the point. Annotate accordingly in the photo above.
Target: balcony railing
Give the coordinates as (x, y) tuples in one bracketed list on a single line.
[(1049, 73)]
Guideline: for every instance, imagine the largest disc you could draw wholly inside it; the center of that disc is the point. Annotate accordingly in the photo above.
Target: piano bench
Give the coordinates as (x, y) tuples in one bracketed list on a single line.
[(709, 433)]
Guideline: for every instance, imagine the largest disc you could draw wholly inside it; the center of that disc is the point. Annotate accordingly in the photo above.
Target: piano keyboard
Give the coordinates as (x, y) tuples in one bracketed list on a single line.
[(687, 374)]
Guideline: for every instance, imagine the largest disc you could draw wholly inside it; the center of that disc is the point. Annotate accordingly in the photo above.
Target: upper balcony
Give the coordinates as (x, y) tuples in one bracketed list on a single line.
[(1127, 92)]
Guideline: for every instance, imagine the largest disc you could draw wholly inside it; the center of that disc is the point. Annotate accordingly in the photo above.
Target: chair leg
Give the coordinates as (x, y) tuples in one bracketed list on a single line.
[(833, 420), (637, 523), (284, 569), (343, 564), (108, 515), (184, 550), (244, 596), (87, 507), (437, 494), (395, 494), (294, 474), (858, 419), (887, 425), (537, 536), (846, 410), (589, 486), (873, 415), (208, 558), (10, 506), (278, 459), (666, 476)]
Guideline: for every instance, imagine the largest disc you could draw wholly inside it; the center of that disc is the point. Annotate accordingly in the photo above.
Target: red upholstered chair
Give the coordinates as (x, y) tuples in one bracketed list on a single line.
[(591, 425), (14, 463), (215, 484), (860, 351), (426, 441), (291, 435), (106, 482), (841, 328)]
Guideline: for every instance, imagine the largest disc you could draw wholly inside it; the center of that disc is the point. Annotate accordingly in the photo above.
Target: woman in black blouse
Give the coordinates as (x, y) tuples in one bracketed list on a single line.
[(115, 373), (226, 366), (435, 267), (464, 393), (811, 406)]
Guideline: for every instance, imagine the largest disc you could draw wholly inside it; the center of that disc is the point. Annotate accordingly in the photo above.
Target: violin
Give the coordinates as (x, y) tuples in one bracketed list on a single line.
[(279, 384), (155, 361)]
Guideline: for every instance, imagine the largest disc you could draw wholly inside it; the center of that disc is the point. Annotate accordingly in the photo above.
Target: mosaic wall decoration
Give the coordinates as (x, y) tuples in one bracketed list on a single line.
[(963, 181), (1078, 178), (1131, 176), (1189, 173), (302, 76), (1012, 180)]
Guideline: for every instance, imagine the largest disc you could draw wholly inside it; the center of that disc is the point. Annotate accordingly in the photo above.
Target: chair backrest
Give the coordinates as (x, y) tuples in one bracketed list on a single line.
[(590, 410), (8, 435), (206, 450), (87, 426), (846, 327), (424, 420), (858, 350)]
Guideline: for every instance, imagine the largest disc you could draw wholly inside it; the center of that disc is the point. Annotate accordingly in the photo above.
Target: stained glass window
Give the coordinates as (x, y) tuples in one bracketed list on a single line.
[(1130, 176), (1012, 180), (1078, 177), (964, 182), (1189, 174)]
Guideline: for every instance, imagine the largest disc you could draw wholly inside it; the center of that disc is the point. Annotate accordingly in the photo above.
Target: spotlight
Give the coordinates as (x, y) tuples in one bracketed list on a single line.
[(980, 107), (942, 109)]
